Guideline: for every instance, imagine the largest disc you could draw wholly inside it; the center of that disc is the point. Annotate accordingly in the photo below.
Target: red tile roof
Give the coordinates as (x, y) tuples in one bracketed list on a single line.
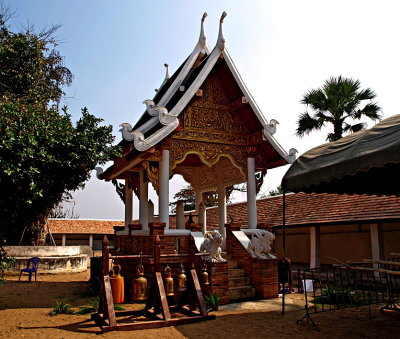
[(301, 209), (68, 226), (306, 209)]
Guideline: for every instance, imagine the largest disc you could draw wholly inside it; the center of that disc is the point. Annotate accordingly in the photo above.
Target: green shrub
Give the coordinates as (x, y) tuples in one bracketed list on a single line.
[(212, 302), (6, 261), (337, 296)]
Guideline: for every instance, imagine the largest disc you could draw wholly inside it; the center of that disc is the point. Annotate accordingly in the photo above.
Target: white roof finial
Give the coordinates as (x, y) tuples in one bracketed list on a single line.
[(166, 77), (166, 71), (221, 39), (202, 38)]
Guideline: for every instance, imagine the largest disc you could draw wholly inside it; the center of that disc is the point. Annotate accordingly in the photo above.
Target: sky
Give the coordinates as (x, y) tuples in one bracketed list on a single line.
[(282, 48)]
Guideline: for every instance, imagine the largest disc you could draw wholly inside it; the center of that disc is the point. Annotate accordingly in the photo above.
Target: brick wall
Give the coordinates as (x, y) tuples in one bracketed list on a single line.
[(263, 273), (219, 280)]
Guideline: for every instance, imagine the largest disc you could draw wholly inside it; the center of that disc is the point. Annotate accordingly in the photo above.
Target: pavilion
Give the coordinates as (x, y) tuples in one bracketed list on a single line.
[(203, 124)]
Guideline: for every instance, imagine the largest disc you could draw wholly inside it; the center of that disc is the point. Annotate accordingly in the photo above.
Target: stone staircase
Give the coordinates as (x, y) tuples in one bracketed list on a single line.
[(239, 284)]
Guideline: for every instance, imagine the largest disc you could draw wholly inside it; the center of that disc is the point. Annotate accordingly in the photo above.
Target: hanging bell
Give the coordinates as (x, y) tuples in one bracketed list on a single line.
[(204, 275), (117, 285), (182, 280), (139, 285), (169, 282)]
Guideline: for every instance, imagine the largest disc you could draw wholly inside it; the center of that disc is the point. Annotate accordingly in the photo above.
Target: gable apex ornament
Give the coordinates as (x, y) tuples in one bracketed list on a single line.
[(202, 39), (221, 39)]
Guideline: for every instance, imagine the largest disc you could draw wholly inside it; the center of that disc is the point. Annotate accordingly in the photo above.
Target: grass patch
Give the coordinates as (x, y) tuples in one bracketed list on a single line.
[(94, 306), (61, 307)]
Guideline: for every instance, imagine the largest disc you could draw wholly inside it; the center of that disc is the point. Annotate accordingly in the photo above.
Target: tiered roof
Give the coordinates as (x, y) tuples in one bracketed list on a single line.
[(161, 116)]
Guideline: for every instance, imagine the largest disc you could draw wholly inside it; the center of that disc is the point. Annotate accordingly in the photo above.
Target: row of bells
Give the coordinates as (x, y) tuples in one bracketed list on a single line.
[(140, 283)]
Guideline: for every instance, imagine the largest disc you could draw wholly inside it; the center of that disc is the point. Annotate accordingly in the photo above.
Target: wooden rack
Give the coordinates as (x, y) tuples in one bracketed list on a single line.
[(157, 312)]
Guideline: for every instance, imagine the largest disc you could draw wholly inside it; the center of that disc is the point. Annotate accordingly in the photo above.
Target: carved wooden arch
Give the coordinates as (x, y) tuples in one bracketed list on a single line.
[(208, 153)]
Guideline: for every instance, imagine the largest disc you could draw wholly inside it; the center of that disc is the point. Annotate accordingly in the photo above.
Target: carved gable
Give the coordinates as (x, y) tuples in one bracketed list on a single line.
[(213, 111)]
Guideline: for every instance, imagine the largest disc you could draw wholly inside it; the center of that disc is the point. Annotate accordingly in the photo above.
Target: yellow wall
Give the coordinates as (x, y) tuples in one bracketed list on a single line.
[(339, 243)]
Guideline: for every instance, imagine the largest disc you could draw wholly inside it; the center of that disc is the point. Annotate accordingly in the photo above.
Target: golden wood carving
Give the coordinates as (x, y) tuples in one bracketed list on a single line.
[(209, 153), (152, 174)]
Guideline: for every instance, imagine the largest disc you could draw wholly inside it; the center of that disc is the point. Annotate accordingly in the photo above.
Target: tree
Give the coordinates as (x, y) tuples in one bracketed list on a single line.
[(42, 156), (188, 196), (31, 70), (275, 192), (337, 102), (65, 209)]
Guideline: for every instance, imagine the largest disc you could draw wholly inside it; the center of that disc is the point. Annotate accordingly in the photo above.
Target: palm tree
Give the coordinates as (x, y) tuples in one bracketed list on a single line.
[(338, 100)]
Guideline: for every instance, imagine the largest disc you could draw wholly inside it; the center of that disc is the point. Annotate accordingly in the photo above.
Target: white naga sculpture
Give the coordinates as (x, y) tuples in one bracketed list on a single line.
[(212, 244), (260, 245)]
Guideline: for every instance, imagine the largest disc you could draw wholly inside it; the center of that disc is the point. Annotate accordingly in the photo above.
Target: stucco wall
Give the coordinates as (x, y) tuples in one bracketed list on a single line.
[(339, 243)]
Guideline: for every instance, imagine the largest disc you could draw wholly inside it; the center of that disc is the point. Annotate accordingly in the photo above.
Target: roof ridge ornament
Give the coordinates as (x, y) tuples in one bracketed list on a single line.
[(271, 127), (202, 38), (130, 135), (221, 39), (291, 157), (150, 107), (166, 77)]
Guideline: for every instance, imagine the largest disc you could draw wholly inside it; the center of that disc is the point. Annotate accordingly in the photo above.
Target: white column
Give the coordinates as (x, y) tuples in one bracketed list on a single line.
[(202, 217), (143, 202), (163, 200), (91, 241), (315, 240), (63, 240), (251, 193), (180, 215), (128, 194), (376, 243), (222, 211), (150, 211), (200, 211)]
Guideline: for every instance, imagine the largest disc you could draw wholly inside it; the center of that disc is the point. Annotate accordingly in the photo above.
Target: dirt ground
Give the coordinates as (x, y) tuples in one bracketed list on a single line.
[(25, 307)]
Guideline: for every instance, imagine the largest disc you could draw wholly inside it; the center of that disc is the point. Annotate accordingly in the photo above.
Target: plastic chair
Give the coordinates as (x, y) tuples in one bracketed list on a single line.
[(31, 267)]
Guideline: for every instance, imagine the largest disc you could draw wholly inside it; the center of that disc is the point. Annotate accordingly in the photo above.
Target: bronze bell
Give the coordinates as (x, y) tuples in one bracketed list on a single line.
[(169, 282), (139, 284), (182, 280), (204, 275)]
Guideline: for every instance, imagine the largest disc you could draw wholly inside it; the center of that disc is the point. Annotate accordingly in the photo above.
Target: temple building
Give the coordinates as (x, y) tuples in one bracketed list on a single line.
[(204, 125)]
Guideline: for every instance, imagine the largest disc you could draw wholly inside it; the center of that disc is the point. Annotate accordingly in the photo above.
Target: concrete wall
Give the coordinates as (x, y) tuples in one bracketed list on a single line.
[(339, 243), (83, 239), (42, 251)]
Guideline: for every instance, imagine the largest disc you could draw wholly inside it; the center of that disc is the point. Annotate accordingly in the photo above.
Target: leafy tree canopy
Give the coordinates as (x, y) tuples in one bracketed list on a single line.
[(188, 196), (43, 154), (31, 70), (338, 102)]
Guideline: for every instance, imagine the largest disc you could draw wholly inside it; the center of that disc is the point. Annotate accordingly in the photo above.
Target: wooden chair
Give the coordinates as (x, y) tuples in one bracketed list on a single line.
[(31, 267)]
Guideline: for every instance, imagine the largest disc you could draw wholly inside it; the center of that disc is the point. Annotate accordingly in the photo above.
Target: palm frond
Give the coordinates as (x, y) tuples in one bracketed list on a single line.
[(371, 110), (306, 124), (365, 94), (354, 128), (316, 99), (338, 99)]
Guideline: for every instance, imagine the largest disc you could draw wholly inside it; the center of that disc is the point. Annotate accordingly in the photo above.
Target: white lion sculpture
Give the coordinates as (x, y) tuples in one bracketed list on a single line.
[(212, 245), (260, 245)]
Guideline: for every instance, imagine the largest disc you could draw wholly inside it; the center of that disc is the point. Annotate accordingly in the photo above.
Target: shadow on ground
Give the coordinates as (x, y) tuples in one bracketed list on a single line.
[(42, 294)]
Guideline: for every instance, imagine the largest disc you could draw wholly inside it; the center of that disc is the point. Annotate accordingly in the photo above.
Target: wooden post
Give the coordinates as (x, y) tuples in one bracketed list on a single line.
[(157, 254), (105, 257)]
